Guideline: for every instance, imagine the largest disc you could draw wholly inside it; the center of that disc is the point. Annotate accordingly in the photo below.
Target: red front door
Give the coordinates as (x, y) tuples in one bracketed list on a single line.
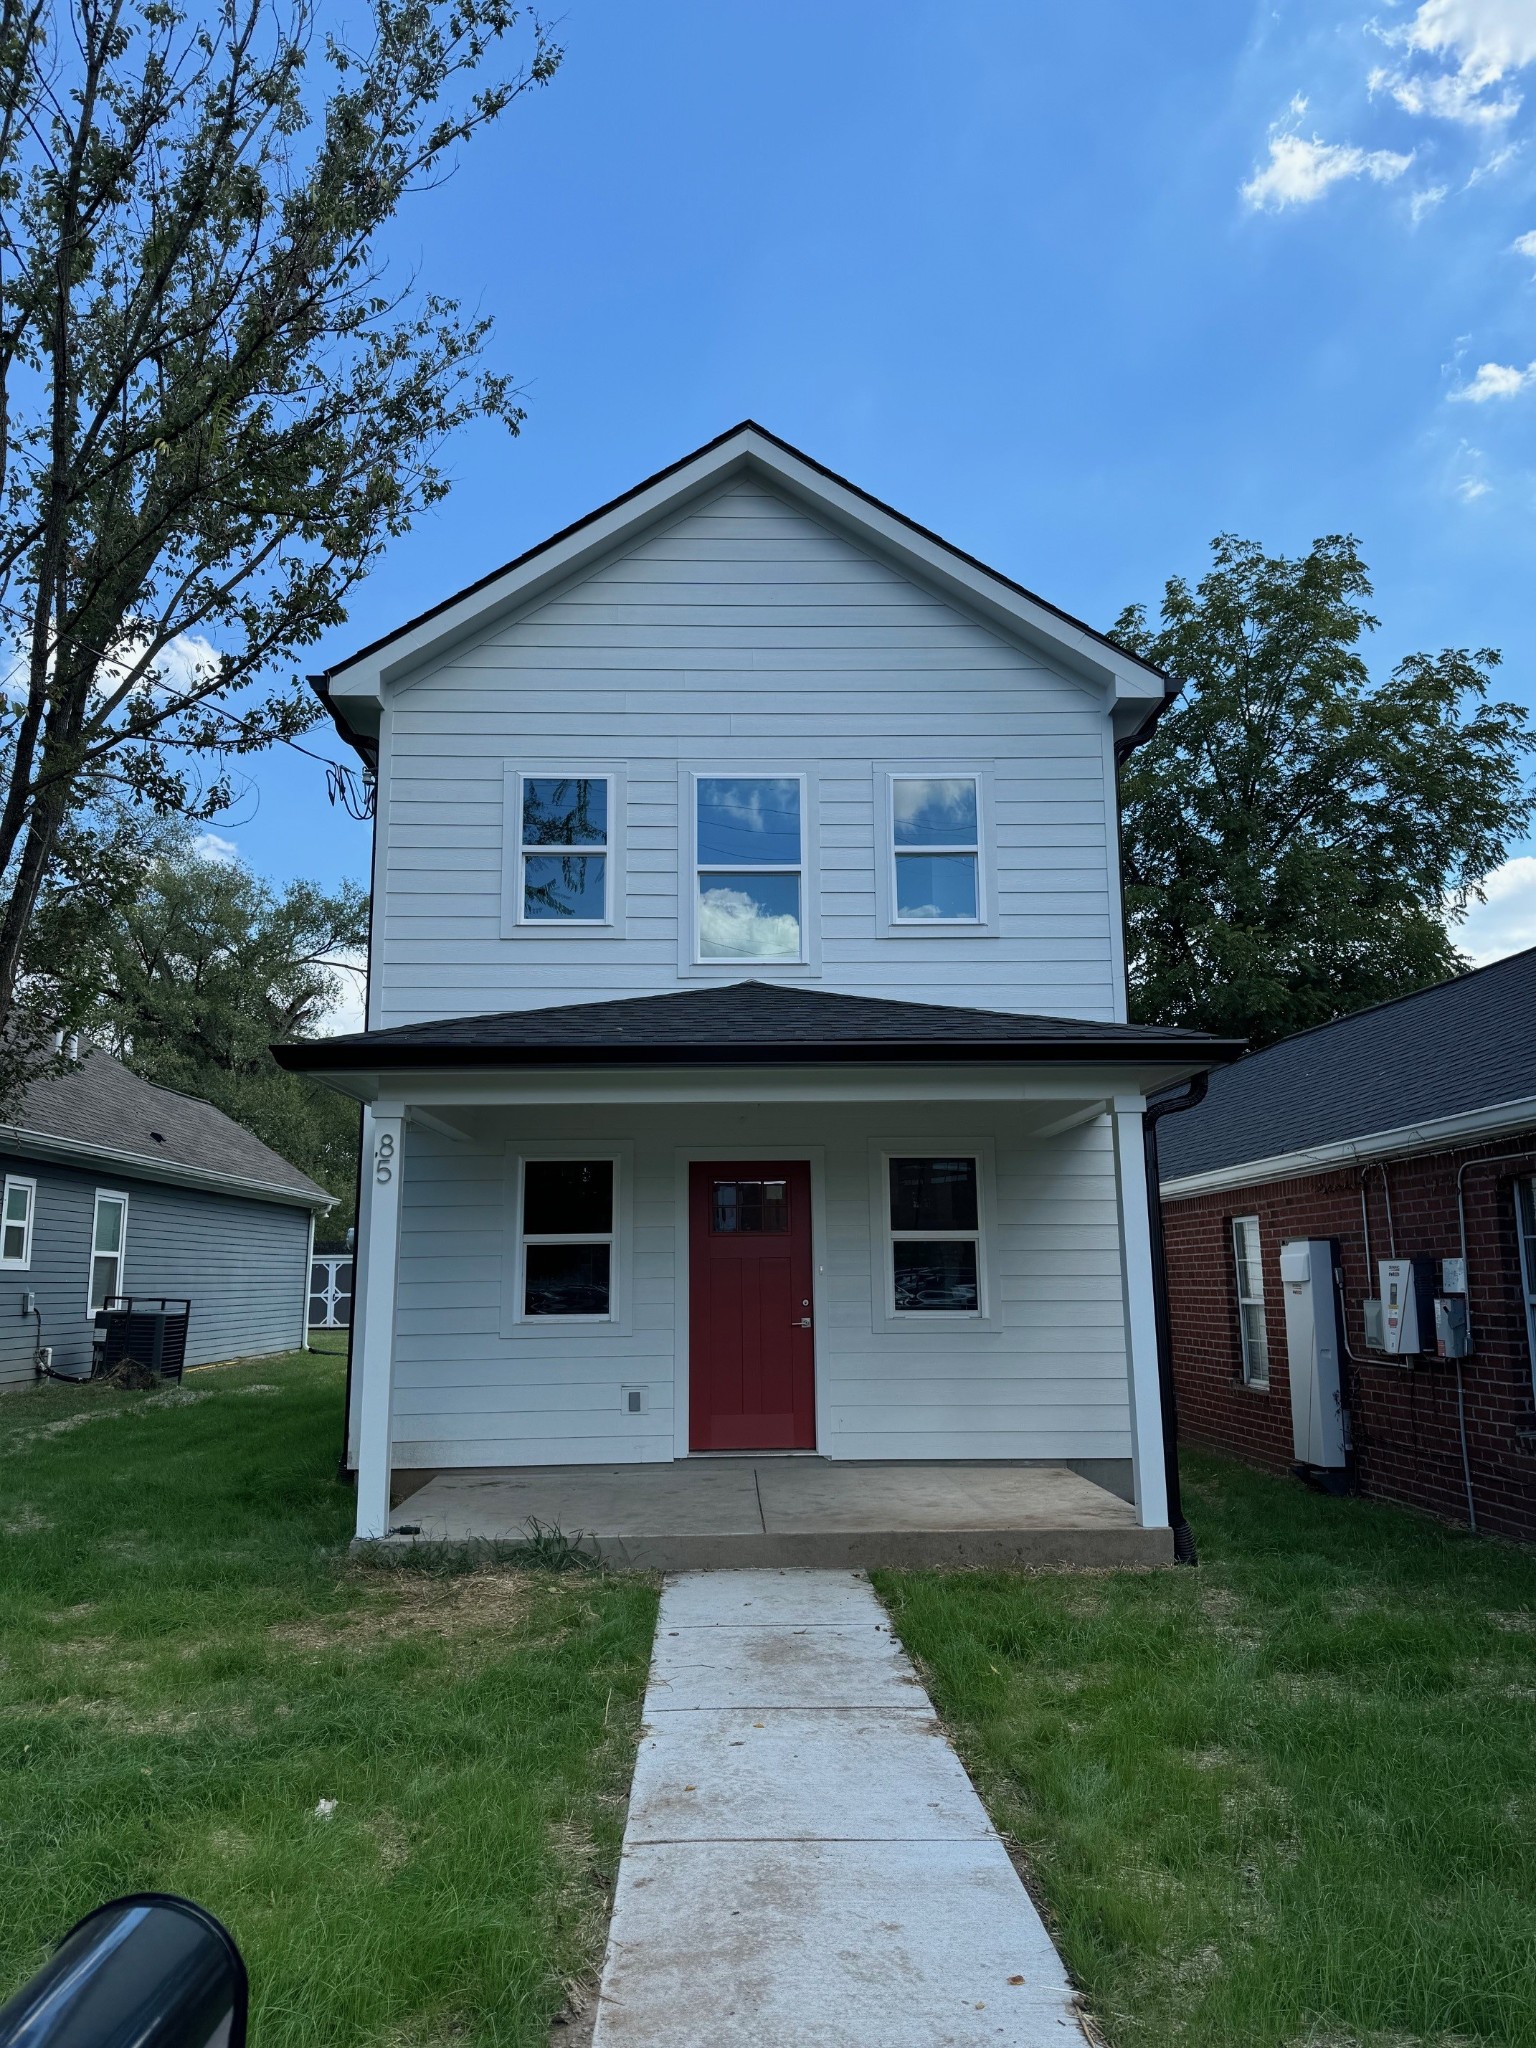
[(751, 1350)]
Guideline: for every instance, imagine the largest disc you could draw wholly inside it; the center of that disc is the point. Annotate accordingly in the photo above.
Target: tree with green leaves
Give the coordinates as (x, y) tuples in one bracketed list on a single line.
[(189, 966), (1299, 839), (217, 406)]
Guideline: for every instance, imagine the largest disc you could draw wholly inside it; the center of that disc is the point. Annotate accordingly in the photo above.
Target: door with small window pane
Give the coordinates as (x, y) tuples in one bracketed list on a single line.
[(752, 1340)]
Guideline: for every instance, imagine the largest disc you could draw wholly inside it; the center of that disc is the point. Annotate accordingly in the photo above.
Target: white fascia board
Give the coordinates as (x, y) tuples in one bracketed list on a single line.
[(360, 684), (450, 1088), (75, 1152), (1437, 1134)]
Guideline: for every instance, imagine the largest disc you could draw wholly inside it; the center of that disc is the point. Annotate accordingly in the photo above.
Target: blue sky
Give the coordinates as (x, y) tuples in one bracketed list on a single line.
[(1079, 287)]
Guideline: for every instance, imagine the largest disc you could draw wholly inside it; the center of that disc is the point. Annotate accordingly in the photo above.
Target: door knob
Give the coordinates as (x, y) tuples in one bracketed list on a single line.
[(805, 1322)]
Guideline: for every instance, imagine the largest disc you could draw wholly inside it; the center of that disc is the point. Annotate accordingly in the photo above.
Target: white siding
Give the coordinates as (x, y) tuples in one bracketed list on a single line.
[(1045, 1379), (743, 635)]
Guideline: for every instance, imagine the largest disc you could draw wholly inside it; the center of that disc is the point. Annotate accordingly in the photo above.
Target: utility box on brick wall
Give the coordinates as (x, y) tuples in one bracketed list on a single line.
[(1319, 1421)]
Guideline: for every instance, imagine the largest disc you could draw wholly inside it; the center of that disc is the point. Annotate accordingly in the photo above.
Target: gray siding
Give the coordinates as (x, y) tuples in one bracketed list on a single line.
[(745, 637), (242, 1263)]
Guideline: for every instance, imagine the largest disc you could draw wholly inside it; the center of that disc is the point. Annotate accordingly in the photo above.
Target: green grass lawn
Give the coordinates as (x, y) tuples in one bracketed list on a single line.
[(190, 1666), (1289, 1797)]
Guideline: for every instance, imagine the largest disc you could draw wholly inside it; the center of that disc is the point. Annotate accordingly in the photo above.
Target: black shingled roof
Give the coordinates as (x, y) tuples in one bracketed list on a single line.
[(103, 1105), (748, 1021), (1467, 1044)]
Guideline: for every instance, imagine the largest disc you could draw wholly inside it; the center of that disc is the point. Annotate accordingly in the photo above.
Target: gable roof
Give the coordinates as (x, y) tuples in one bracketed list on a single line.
[(102, 1111), (1383, 1079), (351, 689), (745, 1023)]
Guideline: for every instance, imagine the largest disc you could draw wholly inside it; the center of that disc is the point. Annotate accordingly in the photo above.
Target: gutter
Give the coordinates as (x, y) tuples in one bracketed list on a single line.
[(1194, 1094), (1444, 1134), (76, 1152), (322, 1055)]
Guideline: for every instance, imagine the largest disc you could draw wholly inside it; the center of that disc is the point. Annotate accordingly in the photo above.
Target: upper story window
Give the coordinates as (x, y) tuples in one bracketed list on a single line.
[(936, 846), (564, 826), (750, 867)]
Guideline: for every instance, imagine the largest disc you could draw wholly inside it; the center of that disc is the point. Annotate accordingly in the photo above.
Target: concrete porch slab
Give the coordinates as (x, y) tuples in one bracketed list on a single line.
[(696, 1514)]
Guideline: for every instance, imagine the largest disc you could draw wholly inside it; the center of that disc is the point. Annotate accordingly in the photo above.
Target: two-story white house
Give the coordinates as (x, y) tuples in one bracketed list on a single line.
[(747, 1068)]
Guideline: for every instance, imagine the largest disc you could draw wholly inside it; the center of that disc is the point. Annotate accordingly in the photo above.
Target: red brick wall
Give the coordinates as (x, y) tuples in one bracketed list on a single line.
[(1404, 1420)]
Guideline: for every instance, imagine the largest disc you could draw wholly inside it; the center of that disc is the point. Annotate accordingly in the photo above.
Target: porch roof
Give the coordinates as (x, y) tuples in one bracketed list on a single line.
[(753, 1023)]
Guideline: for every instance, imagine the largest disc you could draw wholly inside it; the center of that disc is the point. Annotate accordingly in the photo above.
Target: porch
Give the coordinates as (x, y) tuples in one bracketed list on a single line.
[(738, 1512)]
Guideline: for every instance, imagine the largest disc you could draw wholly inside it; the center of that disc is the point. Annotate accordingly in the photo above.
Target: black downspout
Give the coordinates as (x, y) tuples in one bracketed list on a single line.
[(1194, 1094)]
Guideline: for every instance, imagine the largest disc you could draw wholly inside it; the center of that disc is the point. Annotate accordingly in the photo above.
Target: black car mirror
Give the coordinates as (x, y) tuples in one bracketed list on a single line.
[(146, 1971)]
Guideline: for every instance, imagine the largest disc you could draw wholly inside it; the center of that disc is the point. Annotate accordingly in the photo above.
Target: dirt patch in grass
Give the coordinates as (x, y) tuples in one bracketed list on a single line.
[(470, 1604)]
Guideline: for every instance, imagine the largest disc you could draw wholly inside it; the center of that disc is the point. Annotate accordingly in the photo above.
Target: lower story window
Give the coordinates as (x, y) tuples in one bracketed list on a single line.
[(1252, 1333), (935, 1236), (1525, 1217), (567, 1238), (108, 1231)]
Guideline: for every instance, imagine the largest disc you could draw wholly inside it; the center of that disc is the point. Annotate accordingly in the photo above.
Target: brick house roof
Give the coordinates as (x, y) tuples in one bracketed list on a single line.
[(1467, 1045)]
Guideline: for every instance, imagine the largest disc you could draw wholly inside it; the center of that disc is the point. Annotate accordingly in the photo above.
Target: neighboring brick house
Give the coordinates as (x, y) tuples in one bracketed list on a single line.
[(1407, 1130)]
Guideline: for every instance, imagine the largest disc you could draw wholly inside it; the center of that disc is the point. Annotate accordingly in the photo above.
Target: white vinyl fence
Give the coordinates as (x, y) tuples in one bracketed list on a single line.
[(330, 1292)]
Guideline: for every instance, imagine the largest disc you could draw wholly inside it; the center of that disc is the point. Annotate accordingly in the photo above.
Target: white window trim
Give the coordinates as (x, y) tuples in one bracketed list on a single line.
[(106, 1195), (689, 870), (1239, 1263), (18, 1180), (1527, 1248), (984, 1318), (514, 925), (619, 1319), (985, 923)]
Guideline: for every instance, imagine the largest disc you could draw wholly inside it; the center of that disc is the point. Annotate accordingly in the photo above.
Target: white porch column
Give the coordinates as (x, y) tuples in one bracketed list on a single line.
[(374, 1343), (1151, 1479), (357, 1335)]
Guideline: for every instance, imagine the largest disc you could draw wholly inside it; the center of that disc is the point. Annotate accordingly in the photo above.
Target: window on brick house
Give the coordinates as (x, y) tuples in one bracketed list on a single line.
[(1250, 1300), (1525, 1217)]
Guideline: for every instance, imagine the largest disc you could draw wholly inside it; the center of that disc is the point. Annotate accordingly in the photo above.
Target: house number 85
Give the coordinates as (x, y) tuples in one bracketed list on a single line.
[(383, 1154)]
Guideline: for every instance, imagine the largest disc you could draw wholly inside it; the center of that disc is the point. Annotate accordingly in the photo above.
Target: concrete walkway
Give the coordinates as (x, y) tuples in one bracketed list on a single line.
[(806, 1861)]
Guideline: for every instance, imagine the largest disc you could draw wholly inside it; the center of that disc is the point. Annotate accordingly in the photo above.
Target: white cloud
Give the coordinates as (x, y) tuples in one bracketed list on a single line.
[(1426, 201), (1491, 166), (734, 926), (1496, 380), (186, 664), (1471, 488), (349, 982), (1525, 245), (1506, 922), (1301, 170), (209, 846), (1484, 41)]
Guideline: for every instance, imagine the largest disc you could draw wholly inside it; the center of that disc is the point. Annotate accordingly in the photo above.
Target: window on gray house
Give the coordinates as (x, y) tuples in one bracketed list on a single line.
[(935, 1237), (108, 1231), (567, 1238), (16, 1222), (564, 849), (935, 830), (751, 862), (1252, 1333)]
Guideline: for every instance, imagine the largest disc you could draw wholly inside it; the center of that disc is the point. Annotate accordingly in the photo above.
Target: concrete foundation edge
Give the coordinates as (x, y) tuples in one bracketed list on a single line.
[(868, 1550)]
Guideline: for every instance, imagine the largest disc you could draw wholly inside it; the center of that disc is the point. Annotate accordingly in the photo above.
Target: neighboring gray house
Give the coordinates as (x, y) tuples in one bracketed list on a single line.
[(115, 1186)]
